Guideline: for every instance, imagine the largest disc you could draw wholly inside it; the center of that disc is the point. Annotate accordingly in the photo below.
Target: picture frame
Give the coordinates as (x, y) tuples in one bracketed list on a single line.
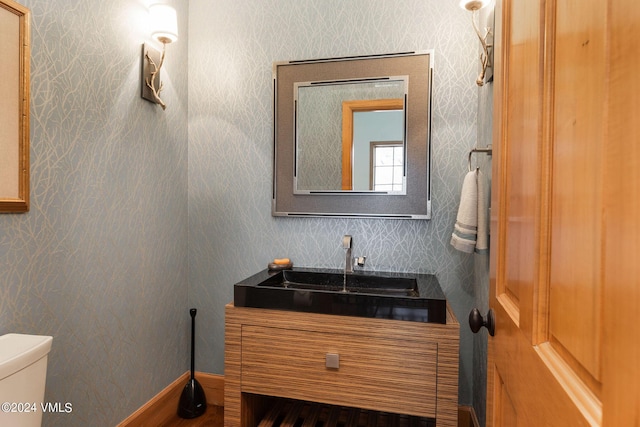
[(14, 106)]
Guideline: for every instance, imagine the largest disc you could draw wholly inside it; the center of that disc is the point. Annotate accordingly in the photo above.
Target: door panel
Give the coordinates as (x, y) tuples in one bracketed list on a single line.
[(521, 189), (575, 320), (525, 380), (546, 273), (564, 270), (505, 411)]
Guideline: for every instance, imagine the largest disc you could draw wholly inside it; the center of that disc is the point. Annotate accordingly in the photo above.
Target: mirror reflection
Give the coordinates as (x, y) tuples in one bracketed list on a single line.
[(350, 136)]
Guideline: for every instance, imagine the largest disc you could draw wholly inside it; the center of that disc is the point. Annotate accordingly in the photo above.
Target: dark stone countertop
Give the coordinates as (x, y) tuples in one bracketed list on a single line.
[(386, 295)]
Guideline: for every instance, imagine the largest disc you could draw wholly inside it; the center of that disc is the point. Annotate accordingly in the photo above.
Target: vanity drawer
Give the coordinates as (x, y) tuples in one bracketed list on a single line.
[(386, 374)]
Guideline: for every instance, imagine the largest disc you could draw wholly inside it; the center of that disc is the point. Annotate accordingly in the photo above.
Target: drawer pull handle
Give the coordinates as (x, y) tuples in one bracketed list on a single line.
[(332, 361)]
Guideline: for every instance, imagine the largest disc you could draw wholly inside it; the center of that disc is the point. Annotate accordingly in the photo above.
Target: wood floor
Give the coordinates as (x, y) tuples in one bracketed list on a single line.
[(213, 417)]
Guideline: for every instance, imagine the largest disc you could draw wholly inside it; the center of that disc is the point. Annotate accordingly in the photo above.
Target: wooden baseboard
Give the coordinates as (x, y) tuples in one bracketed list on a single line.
[(163, 406), (467, 417)]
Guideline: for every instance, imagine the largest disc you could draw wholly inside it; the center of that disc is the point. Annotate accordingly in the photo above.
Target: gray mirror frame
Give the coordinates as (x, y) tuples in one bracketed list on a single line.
[(416, 203)]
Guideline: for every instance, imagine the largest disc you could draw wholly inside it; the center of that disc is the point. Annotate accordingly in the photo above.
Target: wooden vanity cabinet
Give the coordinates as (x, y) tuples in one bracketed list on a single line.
[(392, 366)]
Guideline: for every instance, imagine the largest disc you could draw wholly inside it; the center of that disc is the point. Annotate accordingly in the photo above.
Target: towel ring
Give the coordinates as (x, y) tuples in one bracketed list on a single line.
[(488, 151)]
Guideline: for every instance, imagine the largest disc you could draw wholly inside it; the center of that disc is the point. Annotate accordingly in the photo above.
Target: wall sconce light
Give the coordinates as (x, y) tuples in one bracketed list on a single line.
[(164, 28), (487, 49)]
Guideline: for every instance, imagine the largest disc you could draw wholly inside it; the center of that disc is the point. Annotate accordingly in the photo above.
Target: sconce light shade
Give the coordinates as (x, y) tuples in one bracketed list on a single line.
[(473, 4), (164, 23)]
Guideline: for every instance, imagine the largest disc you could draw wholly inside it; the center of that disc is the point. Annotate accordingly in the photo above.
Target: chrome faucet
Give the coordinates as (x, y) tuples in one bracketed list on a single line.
[(346, 244), (359, 261)]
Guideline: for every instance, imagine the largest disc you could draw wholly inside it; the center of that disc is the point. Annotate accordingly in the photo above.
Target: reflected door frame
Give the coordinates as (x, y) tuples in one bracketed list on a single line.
[(348, 108)]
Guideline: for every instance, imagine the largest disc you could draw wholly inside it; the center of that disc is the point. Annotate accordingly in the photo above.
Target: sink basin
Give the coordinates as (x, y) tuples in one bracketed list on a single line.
[(399, 296), (335, 282)]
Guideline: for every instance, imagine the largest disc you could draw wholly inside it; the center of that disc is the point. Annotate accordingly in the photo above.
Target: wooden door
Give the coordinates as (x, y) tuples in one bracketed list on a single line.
[(565, 252)]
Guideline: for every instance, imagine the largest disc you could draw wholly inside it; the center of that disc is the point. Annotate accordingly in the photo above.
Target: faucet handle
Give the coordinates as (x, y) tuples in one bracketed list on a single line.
[(360, 260)]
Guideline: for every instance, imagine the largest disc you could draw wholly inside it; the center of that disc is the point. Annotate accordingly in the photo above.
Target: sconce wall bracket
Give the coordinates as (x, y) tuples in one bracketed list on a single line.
[(486, 39), (152, 60), (486, 56)]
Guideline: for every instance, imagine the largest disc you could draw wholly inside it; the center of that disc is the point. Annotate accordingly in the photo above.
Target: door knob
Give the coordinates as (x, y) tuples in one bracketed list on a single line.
[(476, 321)]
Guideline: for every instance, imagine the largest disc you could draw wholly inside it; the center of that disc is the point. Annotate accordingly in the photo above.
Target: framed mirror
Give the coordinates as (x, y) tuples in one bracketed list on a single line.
[(352, 136), (14, 107)]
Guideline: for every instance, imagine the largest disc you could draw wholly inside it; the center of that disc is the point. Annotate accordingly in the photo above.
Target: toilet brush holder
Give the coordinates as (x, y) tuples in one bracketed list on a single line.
[(193, 402)]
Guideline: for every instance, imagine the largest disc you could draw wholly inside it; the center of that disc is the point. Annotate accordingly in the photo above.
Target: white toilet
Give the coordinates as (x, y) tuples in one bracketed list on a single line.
[(23, 372)]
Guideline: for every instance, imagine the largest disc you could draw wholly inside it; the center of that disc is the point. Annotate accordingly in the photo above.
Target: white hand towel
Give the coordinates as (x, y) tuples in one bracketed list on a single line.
[(465, 230), (482, 242), (470, 230)]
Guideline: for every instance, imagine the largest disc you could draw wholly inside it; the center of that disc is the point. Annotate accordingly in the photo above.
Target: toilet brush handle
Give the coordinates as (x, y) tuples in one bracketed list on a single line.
[(193, 313)]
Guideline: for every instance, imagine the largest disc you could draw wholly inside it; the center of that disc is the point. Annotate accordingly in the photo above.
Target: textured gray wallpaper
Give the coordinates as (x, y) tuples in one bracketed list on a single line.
[(232, 45), (138, 214), (100, 261)]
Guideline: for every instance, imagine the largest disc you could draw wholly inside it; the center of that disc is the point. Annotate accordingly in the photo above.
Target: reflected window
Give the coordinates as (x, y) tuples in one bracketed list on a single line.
[(387, 166)]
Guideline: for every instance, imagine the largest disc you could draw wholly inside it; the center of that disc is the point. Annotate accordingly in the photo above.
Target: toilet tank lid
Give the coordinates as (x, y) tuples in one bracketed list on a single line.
[(17, 351)]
